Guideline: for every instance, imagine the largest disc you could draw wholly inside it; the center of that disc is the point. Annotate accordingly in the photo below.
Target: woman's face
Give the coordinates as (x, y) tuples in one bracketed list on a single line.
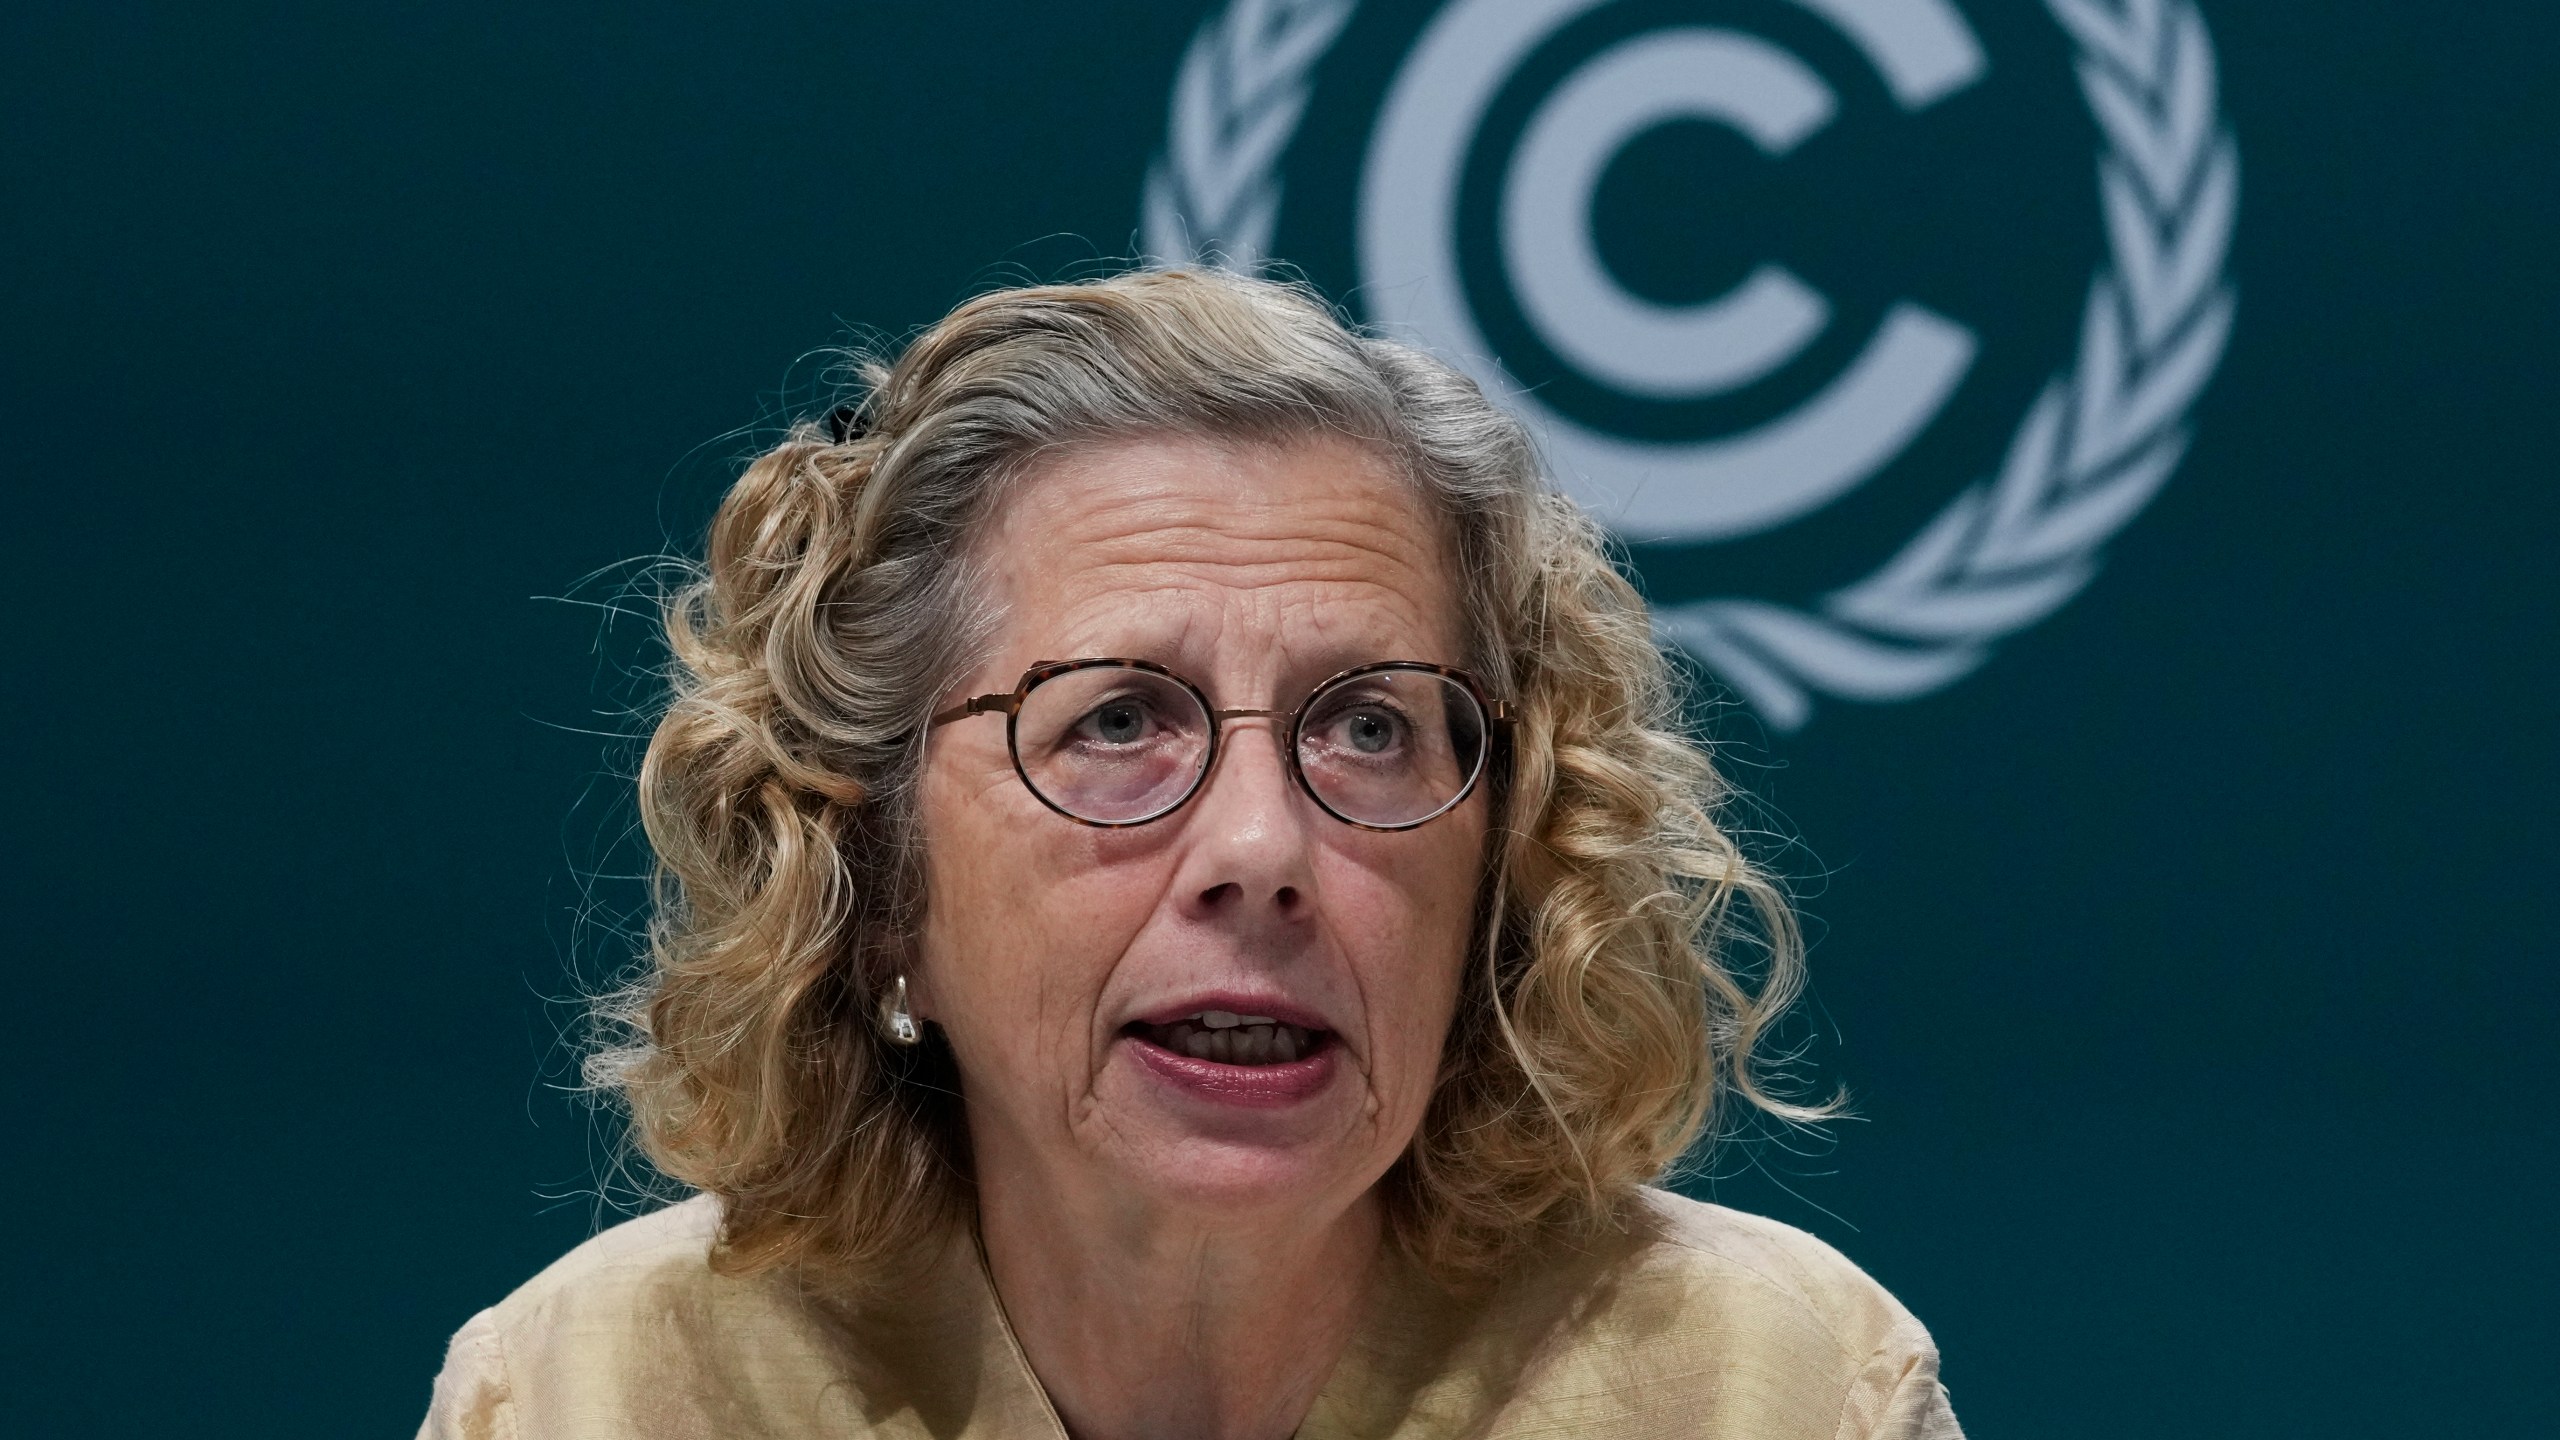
[(1076, 970)]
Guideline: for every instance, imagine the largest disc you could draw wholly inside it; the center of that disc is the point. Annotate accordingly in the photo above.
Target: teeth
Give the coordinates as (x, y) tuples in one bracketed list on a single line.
[(1252, 1040)]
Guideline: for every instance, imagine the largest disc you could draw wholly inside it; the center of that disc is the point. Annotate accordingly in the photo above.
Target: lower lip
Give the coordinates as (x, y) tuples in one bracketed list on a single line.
[(1256, 1087)]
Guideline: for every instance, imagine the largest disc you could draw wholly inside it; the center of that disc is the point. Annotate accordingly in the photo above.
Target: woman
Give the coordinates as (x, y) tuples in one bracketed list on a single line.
[(1187, 912)]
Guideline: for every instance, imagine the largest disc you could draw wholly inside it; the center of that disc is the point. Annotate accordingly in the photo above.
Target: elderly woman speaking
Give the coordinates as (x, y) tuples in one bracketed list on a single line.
[(1187, 911)]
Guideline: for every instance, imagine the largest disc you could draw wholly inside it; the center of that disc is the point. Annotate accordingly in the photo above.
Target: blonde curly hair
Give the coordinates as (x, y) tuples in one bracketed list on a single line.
[(1607, 1015)]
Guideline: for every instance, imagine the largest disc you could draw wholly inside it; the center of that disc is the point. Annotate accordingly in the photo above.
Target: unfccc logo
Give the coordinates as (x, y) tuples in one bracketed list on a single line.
[(2007, 551)]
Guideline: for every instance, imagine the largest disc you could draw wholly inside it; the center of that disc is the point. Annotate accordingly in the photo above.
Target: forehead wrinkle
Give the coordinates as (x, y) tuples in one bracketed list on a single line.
[(1187, 526), (1137, 630), (1348, 566), (1193, 609), (1111, 548), (1144, 489)]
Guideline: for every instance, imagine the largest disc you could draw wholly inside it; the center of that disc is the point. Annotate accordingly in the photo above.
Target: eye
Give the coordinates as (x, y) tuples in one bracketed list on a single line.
[(1120, 721), (1369, 729)]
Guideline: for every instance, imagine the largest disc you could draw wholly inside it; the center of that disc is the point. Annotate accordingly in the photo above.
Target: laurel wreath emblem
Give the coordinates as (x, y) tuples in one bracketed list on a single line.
[(2093, 450)]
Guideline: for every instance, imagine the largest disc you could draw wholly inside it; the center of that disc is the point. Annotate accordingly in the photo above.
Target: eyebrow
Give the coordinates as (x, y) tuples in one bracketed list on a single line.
[(1170, 636)]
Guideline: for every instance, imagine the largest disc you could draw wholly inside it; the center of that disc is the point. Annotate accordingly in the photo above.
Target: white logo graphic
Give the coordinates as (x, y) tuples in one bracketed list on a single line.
[(2007, 552)]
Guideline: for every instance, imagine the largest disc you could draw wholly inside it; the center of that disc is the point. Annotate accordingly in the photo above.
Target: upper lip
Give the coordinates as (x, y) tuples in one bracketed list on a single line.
[(1238, 1002)]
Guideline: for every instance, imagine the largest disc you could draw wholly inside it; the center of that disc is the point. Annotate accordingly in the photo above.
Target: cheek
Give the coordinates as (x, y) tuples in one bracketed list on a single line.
[(1020, 933), (1406, 930)]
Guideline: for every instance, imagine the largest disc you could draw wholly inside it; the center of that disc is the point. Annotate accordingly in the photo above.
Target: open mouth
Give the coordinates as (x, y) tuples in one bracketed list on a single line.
[(1224, 1037)]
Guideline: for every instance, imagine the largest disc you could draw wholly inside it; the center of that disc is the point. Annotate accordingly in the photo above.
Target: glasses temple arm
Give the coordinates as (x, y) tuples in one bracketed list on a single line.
[(978, 705)]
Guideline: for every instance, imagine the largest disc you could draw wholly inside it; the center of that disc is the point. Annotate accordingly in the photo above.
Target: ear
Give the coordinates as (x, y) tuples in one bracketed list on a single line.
[(919, 993)]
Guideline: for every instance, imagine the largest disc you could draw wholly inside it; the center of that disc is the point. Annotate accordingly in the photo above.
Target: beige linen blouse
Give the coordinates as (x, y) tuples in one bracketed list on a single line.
[(1697, 1322)]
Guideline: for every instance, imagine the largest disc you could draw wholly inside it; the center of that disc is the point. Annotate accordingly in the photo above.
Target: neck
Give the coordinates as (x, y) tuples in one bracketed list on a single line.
[(1141, 1323)]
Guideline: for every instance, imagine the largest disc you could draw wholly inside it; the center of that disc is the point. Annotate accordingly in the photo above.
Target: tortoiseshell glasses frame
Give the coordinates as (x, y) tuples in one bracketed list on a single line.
[(1495, 717)]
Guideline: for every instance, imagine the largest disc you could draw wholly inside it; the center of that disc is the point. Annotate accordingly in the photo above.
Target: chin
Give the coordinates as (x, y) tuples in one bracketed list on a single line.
[(1213, 1176)]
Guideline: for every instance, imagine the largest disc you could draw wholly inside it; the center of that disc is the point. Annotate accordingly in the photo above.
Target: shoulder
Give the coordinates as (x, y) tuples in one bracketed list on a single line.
[(1690, 1253), (590, 1334), (655, 1254), (636, 1334), (1706, 1321)]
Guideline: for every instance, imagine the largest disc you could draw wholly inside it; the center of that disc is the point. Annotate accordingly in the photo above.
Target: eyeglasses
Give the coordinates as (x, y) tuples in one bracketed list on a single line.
[(1115, 743)]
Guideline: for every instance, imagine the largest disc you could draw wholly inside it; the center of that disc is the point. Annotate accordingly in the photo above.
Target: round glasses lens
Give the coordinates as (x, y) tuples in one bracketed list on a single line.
[(1391, 747), (1111, 744)]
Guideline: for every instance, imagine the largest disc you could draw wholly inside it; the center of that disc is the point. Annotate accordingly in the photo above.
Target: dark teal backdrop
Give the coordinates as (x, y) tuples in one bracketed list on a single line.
[(2191, 962)]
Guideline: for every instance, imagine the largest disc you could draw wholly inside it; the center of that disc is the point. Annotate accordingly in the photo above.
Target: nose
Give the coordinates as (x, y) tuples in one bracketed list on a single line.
[(1247, 853)]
